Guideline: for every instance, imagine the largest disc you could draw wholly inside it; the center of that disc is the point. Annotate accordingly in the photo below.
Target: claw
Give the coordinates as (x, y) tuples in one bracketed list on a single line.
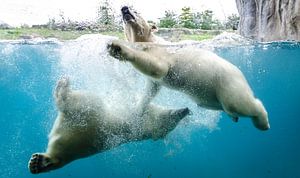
[(235, 119), (115, 51)]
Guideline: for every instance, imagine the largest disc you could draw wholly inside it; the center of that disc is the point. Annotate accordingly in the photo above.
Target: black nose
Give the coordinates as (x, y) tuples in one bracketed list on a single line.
[(124, 9)]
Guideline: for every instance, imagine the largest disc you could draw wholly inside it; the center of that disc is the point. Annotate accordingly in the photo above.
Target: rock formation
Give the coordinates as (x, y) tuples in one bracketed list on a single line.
[(269, 20)]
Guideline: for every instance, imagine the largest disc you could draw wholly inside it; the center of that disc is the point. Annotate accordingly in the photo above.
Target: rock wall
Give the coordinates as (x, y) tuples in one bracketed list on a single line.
[(269, 20)]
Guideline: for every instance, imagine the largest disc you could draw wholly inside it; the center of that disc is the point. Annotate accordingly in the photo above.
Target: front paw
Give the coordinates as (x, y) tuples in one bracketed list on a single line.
[(115, 50)]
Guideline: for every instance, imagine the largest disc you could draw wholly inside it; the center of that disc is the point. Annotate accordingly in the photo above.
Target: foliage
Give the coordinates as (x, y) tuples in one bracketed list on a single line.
[(169, 20), (217, 25), (108, 23), (105, 14), (232, 22), (199, 20), (206, 20), (19, 33), (120, 35), (197, 37), (186, 18), (62, 16)]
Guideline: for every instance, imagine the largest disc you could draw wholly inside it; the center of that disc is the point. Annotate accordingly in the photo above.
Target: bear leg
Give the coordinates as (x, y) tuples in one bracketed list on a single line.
[(251, 108), (145, 62), (260, 120), (169, 122), (179, 114)]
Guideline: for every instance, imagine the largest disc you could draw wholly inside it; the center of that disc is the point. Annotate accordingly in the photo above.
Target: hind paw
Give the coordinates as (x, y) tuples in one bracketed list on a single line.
[(39, 163), (181, 113)]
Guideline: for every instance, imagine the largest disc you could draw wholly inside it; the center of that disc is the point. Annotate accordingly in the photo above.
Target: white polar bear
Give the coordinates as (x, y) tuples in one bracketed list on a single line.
[(209, 80), (85, 127)]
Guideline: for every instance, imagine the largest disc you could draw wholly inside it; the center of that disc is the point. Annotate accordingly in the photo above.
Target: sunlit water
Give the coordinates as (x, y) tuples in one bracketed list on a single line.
[(205, 144)]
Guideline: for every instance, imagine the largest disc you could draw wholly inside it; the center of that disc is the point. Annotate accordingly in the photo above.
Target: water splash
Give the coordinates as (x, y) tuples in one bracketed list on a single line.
[(87, 63)]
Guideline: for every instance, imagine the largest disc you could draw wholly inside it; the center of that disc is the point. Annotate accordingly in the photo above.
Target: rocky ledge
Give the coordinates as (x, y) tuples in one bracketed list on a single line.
[(269, 20)]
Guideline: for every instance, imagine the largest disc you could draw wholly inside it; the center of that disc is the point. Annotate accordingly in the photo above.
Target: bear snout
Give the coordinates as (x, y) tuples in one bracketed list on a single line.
[(127, 15), (124, 10)]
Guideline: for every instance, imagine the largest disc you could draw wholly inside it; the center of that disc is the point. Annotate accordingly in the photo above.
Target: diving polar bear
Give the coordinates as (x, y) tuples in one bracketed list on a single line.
[(85, 127), (209, 80)]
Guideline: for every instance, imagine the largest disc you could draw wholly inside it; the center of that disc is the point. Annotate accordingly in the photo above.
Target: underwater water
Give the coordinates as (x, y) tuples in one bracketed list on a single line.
[(204, 144)]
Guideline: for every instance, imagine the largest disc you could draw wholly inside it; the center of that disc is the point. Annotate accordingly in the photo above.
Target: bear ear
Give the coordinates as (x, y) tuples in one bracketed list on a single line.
[(154, 28)]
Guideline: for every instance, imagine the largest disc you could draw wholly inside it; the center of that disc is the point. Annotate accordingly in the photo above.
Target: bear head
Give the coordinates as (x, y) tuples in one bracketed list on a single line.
[(135, 27)]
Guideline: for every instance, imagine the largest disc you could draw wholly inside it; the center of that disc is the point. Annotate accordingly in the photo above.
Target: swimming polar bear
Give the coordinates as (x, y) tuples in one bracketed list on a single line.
[(209, 80), (85, 127), (136, 29)]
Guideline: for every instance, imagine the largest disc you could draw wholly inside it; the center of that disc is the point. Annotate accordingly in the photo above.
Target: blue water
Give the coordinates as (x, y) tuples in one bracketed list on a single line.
[(206, 144)]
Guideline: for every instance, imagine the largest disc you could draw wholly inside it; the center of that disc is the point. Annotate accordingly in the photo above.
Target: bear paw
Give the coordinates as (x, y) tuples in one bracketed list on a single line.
[(235, 119), (39, 163), (115, 50)]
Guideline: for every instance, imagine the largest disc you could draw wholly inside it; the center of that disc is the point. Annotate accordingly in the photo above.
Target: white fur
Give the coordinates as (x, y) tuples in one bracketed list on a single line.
[(84, 126)]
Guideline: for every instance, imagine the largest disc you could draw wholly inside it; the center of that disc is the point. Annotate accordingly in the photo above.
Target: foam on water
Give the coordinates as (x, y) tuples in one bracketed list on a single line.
[(86, 62)]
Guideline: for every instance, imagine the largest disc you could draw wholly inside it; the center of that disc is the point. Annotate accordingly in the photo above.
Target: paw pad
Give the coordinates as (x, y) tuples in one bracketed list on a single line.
[(39, 163)]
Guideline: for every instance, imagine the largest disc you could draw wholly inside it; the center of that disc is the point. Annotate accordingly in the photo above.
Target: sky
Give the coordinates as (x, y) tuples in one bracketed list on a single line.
[(18, 12)]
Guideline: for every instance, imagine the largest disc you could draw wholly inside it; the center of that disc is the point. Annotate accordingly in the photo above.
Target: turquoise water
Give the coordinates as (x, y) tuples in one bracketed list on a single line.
[(205, 144)]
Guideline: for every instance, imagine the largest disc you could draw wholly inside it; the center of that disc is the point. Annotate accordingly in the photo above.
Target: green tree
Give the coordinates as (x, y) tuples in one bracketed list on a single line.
[(169, 20), (206, 20), (186, 18), (197, 20), (217, 25), (232, 22), (105, 14)]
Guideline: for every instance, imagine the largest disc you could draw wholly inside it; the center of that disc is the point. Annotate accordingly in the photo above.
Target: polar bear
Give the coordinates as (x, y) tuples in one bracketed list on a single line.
[(136, 29), (85, 127), (212, 82)]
